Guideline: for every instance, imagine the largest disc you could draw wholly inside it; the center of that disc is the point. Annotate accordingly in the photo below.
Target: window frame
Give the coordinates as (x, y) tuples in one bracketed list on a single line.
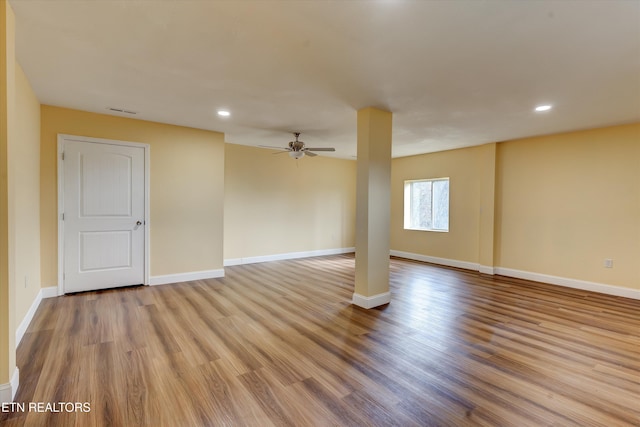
[(407, 204)]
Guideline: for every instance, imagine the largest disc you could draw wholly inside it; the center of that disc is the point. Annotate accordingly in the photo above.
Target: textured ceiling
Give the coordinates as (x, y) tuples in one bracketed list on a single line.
[(454, 73)]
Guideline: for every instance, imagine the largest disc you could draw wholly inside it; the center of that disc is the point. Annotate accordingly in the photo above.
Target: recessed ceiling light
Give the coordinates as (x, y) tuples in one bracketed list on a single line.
[(224, 113), (540, 108)]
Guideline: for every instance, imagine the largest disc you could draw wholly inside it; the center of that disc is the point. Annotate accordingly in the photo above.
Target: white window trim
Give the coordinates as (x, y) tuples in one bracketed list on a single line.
[(407, 205)]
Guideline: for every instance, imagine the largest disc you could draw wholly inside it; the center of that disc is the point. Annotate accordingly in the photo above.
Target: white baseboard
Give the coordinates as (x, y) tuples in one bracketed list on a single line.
[(570, 283), (186, 277), (15, 382), (435, 260), (372, 301), (8, 390), (485, 269), (48, 292), (527, 275), (285, 256), (22, 327)]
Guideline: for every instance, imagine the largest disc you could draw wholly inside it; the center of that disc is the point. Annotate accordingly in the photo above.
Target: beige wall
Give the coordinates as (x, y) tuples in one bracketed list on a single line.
[(555, 205), (566, 202), (275, 204), (7, 237), (464, 169), (187, 188), (25, 157)]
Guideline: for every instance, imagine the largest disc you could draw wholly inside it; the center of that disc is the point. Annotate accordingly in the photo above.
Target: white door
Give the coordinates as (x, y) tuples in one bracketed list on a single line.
[(103, 218)]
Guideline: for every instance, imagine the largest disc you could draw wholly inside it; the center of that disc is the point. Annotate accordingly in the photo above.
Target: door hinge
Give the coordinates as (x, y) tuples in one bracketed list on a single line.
[(63, 155), (62, 216)]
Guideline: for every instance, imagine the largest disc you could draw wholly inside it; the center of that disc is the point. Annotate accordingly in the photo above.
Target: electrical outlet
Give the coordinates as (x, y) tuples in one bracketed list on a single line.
[(608, 263)]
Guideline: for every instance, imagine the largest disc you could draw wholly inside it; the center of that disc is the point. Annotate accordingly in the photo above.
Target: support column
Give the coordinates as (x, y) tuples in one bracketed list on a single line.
[(487, 208), (8, 370), (373, 209)]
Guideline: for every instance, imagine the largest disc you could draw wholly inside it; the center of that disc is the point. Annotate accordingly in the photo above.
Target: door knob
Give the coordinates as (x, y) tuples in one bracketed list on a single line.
[(138, 222)]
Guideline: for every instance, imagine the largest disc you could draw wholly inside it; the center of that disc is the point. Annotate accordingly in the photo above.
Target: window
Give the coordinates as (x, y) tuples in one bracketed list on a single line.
[(426, 204)]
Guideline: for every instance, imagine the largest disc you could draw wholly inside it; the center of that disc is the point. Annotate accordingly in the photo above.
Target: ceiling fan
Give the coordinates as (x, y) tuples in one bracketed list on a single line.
[(297, 149)]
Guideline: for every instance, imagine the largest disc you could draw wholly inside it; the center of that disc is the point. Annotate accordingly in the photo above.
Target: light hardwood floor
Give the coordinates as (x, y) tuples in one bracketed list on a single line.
[(280, 344)]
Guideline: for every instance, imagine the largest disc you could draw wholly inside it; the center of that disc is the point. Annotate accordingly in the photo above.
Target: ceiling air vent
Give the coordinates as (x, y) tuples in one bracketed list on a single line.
[(120, 110)]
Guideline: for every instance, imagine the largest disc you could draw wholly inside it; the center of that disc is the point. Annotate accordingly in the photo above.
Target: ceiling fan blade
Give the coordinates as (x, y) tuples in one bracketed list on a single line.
[(275, 148), (309, 153), (320, 149)]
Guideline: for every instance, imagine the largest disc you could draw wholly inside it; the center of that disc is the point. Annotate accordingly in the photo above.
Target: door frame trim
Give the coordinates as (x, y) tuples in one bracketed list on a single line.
[(62, 138)]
